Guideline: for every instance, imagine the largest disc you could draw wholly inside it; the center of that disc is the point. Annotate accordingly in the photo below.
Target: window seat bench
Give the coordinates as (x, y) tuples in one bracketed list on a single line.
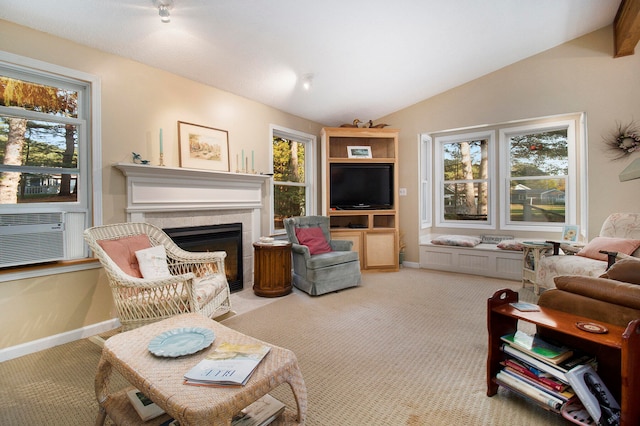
[(484, 259)]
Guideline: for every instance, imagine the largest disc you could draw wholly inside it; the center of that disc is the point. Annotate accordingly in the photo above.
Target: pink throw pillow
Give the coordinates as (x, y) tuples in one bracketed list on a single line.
[(314, 239), (620, 245), (123, 252)]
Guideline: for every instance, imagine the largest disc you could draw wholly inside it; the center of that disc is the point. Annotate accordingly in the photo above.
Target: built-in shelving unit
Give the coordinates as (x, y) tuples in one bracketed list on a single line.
[(373, 232)]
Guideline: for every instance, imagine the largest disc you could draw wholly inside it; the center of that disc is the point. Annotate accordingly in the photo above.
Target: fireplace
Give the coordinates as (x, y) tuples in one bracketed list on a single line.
[(224, 237), (172, 197)]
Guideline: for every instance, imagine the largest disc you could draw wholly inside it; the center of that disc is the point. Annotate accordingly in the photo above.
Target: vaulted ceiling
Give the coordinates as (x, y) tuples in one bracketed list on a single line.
[(366, 58)]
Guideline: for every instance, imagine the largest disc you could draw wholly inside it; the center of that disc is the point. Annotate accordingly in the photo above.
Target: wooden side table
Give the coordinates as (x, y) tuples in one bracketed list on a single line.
[(272, 269), (531, 255)]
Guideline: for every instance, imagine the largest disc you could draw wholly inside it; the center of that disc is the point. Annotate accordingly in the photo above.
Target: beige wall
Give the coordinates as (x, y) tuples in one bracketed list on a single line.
[(579, 76), (137, 101)]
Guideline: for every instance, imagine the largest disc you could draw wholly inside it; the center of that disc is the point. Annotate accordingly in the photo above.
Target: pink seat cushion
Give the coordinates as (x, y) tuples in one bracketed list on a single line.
[(314, 239), (123, 252)]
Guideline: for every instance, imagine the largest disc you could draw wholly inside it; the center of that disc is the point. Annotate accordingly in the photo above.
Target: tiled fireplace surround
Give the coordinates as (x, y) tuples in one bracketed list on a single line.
[(174, 197)]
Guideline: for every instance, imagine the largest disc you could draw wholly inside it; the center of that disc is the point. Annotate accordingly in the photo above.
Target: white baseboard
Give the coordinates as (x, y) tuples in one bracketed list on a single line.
[(406, 264), (57, 339)]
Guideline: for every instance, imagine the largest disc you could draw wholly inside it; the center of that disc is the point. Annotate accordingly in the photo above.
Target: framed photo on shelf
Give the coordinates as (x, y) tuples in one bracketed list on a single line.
[(203, 147), (359, 151), (570, 233)]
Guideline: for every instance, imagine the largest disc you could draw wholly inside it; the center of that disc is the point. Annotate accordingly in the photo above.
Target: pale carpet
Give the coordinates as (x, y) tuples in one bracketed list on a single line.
[(404, 348)]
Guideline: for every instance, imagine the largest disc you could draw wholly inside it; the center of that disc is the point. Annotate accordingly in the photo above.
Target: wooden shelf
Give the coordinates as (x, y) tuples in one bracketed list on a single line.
[(372, 231), (617, 351)]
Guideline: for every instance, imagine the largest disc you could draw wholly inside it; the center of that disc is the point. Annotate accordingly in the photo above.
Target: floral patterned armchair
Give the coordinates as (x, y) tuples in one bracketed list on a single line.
[(620, 233)]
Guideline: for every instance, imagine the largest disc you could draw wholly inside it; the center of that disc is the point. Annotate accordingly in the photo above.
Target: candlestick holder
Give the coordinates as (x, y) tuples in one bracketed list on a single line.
[(161, 159)]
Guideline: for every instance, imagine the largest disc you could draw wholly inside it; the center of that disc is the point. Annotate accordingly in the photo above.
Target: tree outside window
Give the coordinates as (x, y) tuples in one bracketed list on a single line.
[(289, 189), (39, 129), (539, 167), (466, 180)]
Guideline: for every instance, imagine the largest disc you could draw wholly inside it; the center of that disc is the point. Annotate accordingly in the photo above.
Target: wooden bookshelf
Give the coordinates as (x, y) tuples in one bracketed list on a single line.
[(617, 352), (375, 233)]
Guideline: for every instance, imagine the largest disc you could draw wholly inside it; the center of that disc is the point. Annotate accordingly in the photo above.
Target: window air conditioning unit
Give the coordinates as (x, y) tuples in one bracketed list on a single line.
[(31, 238)]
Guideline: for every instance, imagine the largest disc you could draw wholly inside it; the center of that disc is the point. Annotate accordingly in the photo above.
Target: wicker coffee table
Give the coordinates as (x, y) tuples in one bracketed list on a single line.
[(161, 378)]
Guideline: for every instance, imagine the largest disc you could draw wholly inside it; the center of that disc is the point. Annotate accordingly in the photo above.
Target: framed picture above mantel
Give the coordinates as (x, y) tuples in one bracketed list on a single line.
[(203, 147)]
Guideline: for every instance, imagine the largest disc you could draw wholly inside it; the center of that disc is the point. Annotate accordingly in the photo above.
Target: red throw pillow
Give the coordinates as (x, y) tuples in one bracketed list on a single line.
[(314, 239), (123, 252), (620, 245)]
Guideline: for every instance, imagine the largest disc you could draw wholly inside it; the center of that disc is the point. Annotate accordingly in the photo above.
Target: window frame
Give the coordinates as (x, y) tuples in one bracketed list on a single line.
[(89, 156), (577, 179), (310, 142), (425, 201), (438, 182), (571, 182)]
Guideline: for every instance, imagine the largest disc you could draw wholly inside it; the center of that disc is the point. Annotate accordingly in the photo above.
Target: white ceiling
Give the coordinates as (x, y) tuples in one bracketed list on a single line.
[(368, 58)]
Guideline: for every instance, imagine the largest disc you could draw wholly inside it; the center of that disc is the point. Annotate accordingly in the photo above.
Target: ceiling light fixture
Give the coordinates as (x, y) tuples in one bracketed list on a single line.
[(163, 9), (307, 81)]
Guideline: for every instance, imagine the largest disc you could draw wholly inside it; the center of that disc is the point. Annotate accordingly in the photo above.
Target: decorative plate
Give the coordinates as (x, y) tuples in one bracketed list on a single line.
[(592, 327), (181, 341)]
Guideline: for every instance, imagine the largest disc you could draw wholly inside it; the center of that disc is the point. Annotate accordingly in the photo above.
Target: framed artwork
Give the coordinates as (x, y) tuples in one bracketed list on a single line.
[(203, 147), (570, 233), (359, 151)]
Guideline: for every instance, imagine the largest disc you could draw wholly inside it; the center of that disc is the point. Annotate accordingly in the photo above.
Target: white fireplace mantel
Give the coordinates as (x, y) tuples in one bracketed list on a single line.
[(155, 188)]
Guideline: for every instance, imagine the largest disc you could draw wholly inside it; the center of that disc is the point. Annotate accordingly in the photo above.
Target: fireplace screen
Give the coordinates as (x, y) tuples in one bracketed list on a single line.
[(226, 237)]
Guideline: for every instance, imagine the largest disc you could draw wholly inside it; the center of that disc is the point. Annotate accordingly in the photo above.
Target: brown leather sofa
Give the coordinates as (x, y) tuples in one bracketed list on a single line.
[(614, 297)]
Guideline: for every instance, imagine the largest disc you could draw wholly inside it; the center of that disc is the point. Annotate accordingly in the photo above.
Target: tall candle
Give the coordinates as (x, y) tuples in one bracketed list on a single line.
[(252, 166), (160, 141)]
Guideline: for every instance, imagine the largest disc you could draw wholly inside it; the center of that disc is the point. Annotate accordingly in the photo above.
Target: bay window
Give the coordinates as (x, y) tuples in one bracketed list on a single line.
[(522, 176)]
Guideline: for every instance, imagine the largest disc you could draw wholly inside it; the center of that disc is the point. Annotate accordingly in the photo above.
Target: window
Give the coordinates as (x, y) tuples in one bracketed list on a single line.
[(425, 181), (39, 150), (49, 145), (464, 182), (539, 186), (292, 194), (536, 168)]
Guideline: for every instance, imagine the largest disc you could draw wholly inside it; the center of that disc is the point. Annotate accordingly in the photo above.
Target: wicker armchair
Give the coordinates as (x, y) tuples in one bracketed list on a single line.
[(197, 280)]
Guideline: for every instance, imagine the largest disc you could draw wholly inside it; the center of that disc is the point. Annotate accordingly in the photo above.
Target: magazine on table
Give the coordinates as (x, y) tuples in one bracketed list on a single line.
[(228, 365)]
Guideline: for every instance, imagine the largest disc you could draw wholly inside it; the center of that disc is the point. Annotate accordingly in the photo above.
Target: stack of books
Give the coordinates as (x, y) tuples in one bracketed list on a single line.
[(538, 369)]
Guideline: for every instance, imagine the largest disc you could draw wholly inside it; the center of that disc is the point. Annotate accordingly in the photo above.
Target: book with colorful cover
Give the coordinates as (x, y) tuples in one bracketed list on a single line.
[(566, 395), (535, 362), (535, 374), (228, 365), (537, 347), (594, 395), (544, 398)]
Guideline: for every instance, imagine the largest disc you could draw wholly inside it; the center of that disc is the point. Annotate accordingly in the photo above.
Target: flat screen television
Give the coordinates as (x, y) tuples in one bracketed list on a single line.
[(361, 186)]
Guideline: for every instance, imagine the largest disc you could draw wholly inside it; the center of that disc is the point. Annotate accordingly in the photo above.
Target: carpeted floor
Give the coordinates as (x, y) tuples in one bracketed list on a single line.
[(404, 348)]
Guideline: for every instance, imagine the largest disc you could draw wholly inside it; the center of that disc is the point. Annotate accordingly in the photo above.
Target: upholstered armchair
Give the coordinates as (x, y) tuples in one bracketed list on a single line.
[(320, 264), (151, 278), (619, 235)]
